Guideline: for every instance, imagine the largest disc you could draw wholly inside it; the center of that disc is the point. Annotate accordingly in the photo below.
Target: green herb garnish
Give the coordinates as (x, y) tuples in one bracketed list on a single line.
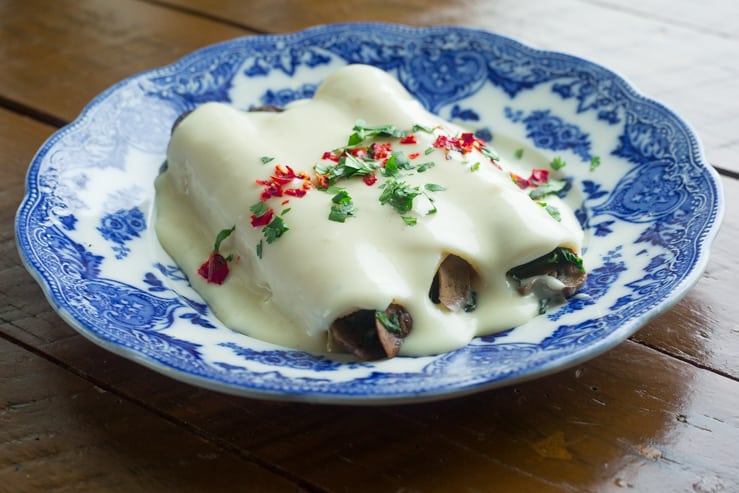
[(347, 167), (342, 207), (396, 162), (428, 130), (391, 323), (425, 166), (222, 235), (518, 153), (489, 153), (470, 303), (266, 159), (399, 195), (557, 163), (362, 132), (561, 254), (274, 229), (552, 187), (594, 162), (259, 209), (433, 187), (553, 211)]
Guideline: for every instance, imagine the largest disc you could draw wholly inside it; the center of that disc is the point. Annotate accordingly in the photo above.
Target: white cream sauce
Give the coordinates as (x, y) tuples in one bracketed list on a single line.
[(320, 270)]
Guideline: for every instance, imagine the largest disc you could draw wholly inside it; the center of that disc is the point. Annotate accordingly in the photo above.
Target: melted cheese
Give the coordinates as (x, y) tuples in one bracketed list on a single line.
[(320, 270)]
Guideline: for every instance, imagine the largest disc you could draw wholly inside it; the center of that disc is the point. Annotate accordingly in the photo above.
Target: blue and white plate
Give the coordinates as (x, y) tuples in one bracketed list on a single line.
[(650, 210)]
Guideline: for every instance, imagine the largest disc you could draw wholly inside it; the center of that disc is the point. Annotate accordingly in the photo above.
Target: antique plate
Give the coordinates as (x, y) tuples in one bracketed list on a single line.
[(650, 210)]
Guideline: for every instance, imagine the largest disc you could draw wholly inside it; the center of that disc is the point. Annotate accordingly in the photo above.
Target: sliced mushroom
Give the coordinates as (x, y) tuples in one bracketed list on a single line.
[(369, 334), (393, 325), (452, 285), (271, 108), (558, 274)]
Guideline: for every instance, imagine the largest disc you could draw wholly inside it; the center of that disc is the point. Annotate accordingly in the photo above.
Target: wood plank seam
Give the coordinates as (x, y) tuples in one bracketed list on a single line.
[(211, 438), (206, 15)]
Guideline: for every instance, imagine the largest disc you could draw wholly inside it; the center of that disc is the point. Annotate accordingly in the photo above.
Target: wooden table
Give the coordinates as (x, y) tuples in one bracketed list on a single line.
[(660, 412)]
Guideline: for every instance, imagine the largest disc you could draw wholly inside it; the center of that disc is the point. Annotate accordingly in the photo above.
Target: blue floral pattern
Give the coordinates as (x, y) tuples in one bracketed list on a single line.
[(649, 212), (548, 131), (122, 226)]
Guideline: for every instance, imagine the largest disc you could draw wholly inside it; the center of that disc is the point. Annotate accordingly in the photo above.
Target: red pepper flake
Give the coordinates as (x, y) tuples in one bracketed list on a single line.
[(441, 142), (414, 155), (215, 269), (282, 176), (263, 220), (538, 177), (465, 143), (358, 152), (295, 192), (369, 179), (330, 156), (270, 190), (522, 182), (322, 181), (379, 150), (408, 139)]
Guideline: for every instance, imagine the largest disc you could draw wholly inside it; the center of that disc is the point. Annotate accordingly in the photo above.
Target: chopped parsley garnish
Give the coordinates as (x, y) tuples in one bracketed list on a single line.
[(347, 167), (518, 153), (425, 166), (422, 128), (274, 229), (433, 187), (557, 163), (399, 195), (260, 248), (594, 162), (552, 187), (391, 323), (266, 159), (362, 132), (354, 166), (553, 211), (342, 207), (428, 151), (259, 209), (489, 153), (396, 162), (470, 304), (475, 167), (222, 235), (410, 220), (560, 255)]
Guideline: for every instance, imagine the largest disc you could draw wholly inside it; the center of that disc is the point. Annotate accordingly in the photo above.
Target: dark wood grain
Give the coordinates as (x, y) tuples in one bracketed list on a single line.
[(656, 413), (57, 56), (59, 432)]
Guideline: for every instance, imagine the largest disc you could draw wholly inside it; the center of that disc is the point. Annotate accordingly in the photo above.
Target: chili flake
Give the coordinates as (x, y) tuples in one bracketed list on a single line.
[(215, 269)]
